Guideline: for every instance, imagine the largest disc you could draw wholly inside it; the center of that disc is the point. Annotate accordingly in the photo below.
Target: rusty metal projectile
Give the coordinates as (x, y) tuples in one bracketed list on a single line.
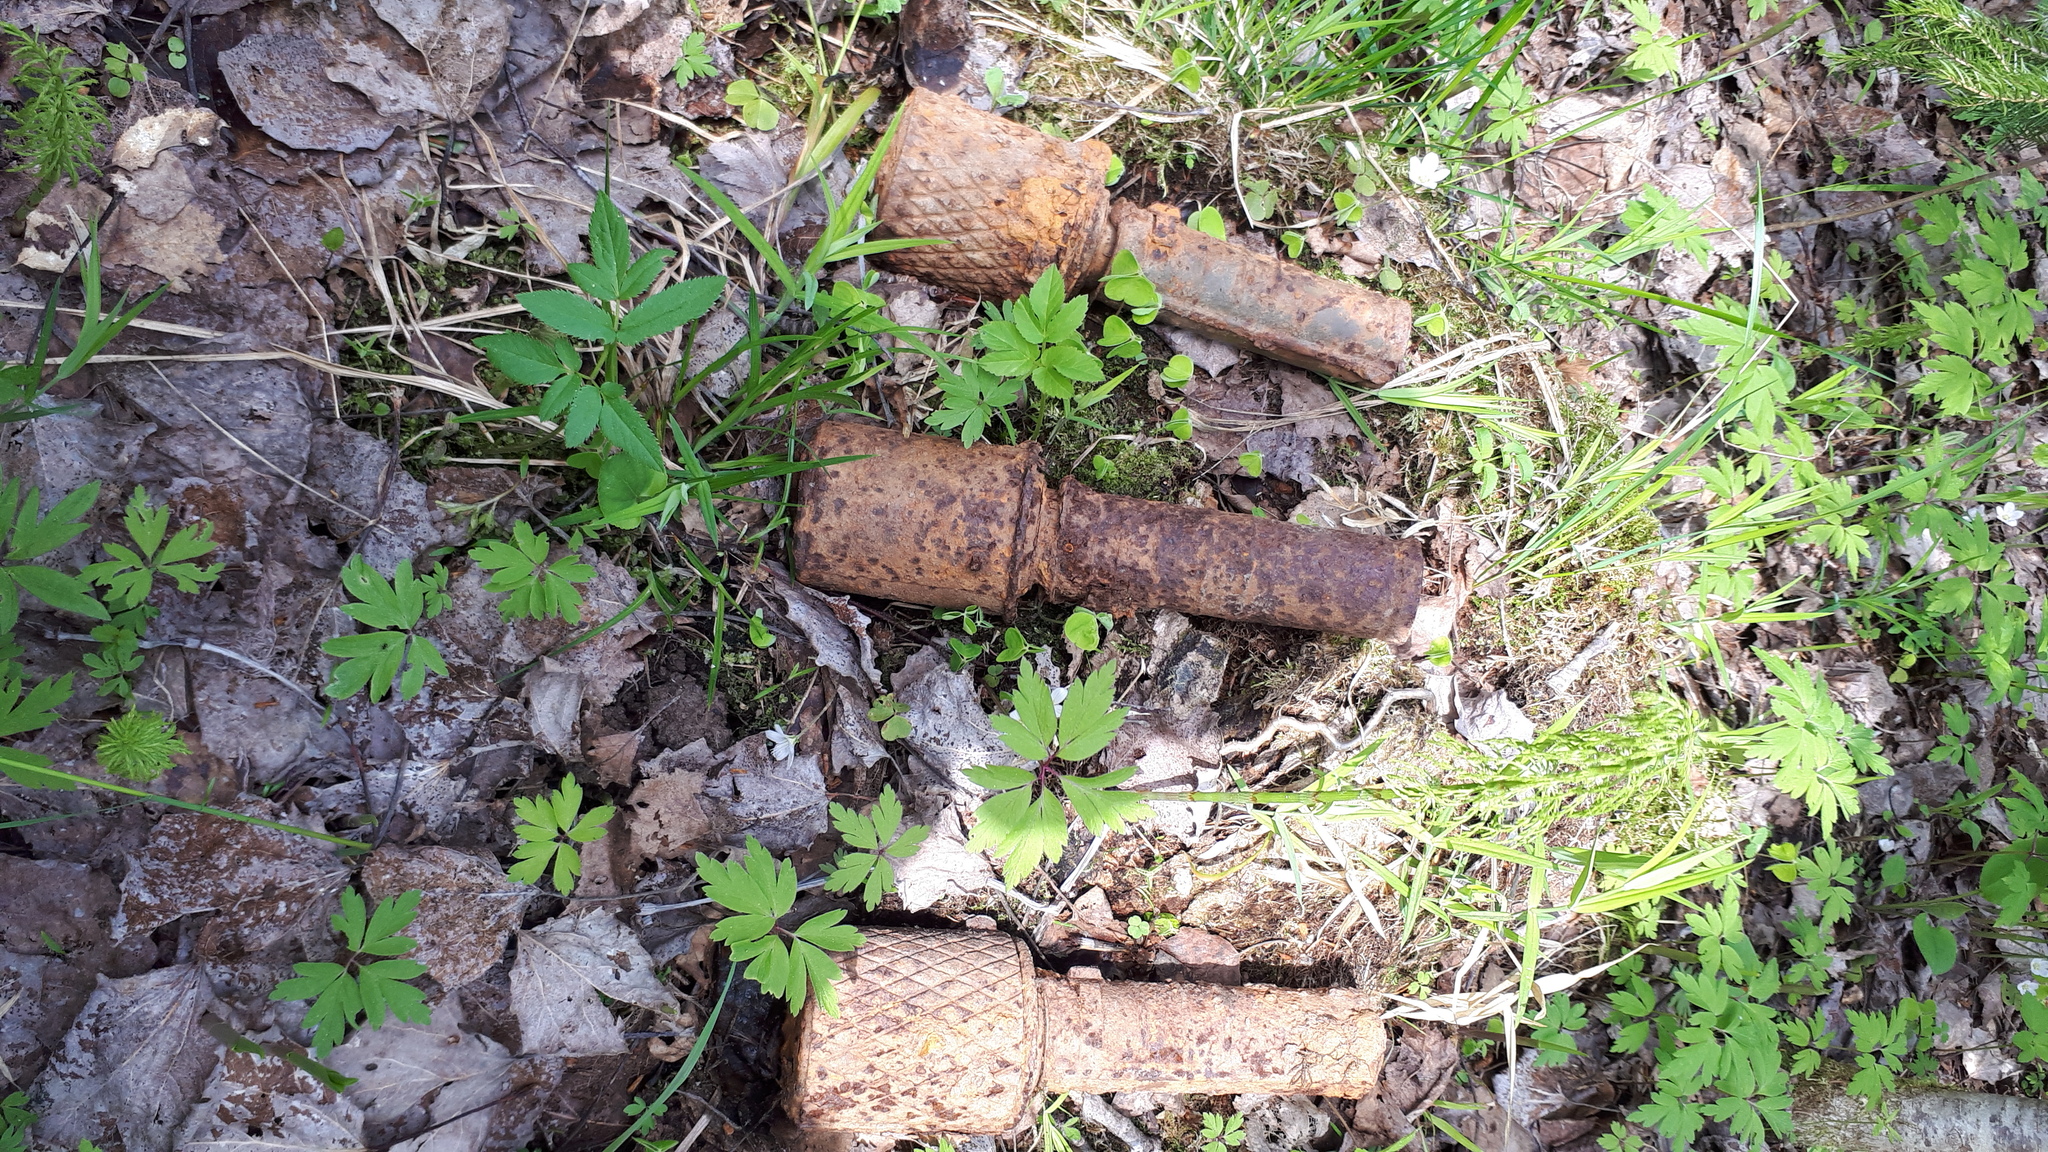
[(930, 521), (1011, 201), (955, 1031)]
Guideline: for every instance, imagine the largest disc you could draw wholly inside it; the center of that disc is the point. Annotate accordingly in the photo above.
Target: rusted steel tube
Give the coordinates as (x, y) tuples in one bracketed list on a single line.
[(1264, 303), (954, 1031), (1010, 201), (1119, 554), (927, 520)]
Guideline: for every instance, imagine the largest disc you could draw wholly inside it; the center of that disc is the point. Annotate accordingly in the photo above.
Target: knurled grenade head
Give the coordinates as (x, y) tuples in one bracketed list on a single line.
[(1009, 201), (955, 1032)]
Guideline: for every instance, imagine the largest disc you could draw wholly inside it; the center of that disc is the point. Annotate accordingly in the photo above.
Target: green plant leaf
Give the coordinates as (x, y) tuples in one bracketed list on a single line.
[(879, 836), (671, 308), (1020, 828), (530, 360), (569, 314), (1098, 804), (1087, 722), (1937, 944)]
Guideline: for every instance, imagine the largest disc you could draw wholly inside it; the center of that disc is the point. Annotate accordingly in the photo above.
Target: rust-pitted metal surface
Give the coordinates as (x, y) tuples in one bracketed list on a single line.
[(1113, 1036), (953, 1031), (936, 1031), (1009, 199), (1119, 554), (1264, 303), (929, 521), (922, 519)]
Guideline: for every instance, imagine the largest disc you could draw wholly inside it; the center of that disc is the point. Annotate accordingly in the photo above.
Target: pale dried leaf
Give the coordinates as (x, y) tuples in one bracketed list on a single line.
[(131, 1065), (564, 967), (262, 1104), (411, 1077), (466, 914)]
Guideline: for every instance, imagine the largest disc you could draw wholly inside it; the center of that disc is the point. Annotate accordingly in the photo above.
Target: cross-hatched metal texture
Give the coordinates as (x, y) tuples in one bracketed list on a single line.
[(1009, 201), (936, 1031)]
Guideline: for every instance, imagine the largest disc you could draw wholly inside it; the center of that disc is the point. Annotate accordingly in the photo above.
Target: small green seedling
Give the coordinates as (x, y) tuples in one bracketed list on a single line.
[(1128, 285), (1294, 242), (333, 239), (879, 837), (1181, 425), (1185, 71), (125, 70), (174, 52), (130, 577), (892, 715), (544, 823), (1261, 200), (1178, 371), (1208, 221), (1221, 1133), (757, 631), (998, 93), (1016, 648), (1039, 336), (1115, 172), (395, 652), (535, 589), (755, 110), (760, 890), (1024, 821), (138, 745), (1119, 341), (1084, 628), (361, 991), (693, 62), (1253, 463)]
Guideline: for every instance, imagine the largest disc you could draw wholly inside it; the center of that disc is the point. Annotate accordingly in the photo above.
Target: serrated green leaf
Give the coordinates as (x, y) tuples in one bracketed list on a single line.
[(1100, 807), (569, 314), (525, 358), (671, 308), (610, 249), (1087, 722), (1021, 829)]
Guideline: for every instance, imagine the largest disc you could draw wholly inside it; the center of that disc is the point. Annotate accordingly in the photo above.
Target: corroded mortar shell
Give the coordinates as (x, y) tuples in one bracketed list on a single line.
[(1010, 201), (926, 520), (955, 1032)]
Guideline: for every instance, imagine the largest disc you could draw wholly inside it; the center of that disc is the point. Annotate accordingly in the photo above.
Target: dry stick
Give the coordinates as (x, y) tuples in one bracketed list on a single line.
[(232, 438), (202, 646)]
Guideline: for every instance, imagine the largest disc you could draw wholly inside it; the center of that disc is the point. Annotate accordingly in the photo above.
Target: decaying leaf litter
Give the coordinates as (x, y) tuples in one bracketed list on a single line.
[(343, 205)]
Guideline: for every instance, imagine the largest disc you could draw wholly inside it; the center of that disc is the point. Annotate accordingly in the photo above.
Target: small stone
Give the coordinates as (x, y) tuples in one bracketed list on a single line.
[(981, 924), (1202, 957), (1208, 908)]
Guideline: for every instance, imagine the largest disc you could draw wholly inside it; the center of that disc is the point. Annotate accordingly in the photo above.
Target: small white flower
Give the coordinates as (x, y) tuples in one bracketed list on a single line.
[(1059, 698), (781, 745), (2026, 987), (1888, 845), (2009, 514), (2039, 966), (1428, 170)]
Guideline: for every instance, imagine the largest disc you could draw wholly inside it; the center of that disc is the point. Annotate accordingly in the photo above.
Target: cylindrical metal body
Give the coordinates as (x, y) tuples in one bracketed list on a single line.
[(926, 520), (1118, 554), (1116, 1036), (953, 1031), (923, 518), (937, 1031), (1009, 201), (1264, 303)]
